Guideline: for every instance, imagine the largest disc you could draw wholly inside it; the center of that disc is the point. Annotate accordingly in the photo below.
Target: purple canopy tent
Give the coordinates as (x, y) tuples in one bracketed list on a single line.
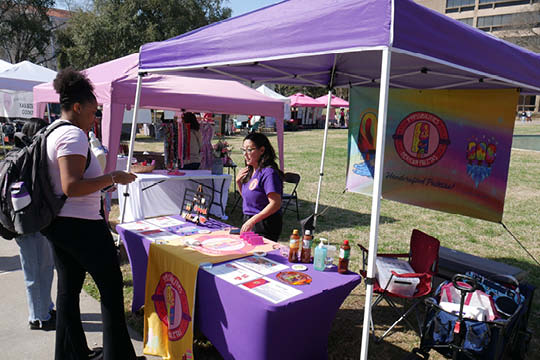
[(428, 51)]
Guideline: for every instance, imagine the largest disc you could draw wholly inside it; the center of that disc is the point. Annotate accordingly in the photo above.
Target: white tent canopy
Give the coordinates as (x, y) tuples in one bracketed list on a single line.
[(16, 85), (263, 89), (4, 65), (24, 76)]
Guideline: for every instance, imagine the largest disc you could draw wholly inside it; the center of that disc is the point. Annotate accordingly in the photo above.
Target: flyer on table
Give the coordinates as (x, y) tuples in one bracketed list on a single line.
[(270, 290), (261, 265)]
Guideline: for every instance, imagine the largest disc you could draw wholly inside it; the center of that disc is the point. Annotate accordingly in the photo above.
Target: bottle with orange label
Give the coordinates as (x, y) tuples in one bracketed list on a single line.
[(344, 255), (305, 253), (294, 246)]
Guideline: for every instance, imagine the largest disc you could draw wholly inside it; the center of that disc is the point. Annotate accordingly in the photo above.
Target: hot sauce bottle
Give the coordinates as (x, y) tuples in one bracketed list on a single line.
[(294, 245), (344, 255), (305, 254)]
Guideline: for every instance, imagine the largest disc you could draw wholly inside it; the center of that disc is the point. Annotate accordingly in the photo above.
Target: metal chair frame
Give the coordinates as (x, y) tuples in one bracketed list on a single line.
[(291, 178)]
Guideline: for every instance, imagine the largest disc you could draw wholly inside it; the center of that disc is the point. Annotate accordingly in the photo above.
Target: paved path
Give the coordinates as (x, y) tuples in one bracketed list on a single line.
[(17, 341)]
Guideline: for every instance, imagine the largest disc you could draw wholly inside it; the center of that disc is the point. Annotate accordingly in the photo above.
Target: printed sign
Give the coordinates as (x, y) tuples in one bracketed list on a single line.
[(447, 150)]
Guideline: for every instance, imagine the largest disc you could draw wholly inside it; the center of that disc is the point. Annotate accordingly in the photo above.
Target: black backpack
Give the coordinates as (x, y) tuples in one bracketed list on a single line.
[(27, 200)]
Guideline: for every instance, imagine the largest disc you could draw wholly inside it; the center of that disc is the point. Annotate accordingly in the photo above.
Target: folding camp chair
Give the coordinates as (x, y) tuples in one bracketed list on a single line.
[(423, 258), (291, 178)]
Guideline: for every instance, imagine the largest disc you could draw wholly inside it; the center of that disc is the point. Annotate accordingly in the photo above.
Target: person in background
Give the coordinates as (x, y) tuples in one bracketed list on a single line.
[(79, 235), (193, 162), (528, 113), (261, 186), (342, 117), (36, 258)]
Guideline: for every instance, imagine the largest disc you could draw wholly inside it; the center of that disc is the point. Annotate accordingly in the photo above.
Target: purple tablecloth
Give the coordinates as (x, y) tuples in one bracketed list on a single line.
[(242, 325)]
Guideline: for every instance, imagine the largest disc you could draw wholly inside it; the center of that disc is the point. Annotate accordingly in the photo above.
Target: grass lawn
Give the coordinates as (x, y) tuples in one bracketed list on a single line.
[(348, 217)]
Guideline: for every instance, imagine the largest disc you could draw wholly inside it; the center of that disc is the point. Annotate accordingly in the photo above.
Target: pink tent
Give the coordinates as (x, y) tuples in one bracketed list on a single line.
[(335, 102), (115, 83), (301, 100)]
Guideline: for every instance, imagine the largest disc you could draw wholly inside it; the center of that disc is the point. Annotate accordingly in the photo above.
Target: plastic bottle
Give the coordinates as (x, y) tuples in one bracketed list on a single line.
[(305, 254), (294, 245), (344, 255), (19, 196), (320, 257), (98, 150)]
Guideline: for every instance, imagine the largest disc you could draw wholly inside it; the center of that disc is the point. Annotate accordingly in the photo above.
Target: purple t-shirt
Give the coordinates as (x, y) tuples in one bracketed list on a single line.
[(254, 193)]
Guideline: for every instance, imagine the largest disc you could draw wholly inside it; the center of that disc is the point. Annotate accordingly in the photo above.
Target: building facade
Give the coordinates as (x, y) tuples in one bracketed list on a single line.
[(517, 21)]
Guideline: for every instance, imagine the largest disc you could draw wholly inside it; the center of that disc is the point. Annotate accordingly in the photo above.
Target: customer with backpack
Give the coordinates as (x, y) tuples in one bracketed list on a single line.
[(79, 235), (36, 258)]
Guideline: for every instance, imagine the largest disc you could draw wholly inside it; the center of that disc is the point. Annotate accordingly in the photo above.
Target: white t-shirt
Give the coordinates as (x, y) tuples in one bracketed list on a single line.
[(71, 140)]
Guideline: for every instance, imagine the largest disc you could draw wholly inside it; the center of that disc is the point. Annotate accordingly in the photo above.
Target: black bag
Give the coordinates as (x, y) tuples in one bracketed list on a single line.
[(27, 200)]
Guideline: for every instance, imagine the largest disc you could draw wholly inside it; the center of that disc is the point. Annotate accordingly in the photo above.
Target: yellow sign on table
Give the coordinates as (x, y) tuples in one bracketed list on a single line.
[(170, 290)]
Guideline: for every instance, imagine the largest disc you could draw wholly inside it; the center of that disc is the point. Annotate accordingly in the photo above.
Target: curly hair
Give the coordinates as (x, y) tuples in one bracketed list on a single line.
[(73, 87), (268, 158)]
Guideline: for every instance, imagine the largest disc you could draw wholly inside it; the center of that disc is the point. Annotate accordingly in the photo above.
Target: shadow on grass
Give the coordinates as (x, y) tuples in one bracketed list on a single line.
[(345, 339)]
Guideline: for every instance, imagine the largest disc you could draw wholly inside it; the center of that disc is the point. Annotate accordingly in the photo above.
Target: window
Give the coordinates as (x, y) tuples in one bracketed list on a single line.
[(468, 21), (498, 22), (459, 5)]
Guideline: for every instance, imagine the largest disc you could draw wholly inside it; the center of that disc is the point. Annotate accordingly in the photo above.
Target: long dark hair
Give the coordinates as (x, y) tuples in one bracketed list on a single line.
[(73, 87), (189, 118), (267, 159)]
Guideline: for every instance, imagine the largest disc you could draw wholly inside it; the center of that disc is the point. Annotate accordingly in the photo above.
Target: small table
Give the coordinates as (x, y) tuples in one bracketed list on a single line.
[(158, 193), (456, 262)]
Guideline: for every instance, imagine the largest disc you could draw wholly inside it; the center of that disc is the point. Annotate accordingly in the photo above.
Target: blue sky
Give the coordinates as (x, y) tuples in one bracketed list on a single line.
[(242, 6), (238, 7)]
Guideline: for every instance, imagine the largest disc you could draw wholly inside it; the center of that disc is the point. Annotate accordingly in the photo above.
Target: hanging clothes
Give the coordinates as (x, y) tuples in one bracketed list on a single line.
[(207, 157)]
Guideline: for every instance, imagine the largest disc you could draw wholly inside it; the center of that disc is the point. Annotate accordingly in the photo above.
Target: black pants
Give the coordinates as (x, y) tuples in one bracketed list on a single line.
[(270, 227), (82, 246)]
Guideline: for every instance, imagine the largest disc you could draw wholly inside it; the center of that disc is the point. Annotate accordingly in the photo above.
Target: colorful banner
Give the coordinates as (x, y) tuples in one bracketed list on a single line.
[(447, 150)]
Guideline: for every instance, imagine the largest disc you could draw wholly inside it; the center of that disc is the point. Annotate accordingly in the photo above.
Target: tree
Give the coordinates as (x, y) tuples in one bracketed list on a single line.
[(25, 29), (115, 28)]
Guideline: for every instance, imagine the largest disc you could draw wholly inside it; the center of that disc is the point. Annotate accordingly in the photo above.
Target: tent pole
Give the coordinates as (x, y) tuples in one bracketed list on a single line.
[(132, 139), (376, 200), (321, 172)]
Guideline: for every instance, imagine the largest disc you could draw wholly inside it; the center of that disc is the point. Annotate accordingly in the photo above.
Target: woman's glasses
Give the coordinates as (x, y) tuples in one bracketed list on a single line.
[(247, 150)]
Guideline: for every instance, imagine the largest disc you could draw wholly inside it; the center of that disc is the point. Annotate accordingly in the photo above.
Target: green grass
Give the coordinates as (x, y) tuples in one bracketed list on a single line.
[(348, 217)]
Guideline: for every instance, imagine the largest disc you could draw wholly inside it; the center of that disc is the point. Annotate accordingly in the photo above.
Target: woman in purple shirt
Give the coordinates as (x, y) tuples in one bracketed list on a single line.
[(261, 186)]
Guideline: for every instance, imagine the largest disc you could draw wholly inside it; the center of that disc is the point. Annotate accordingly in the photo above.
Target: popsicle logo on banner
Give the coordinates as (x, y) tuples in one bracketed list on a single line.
[(447, 150), (171, 303), (421, 139)]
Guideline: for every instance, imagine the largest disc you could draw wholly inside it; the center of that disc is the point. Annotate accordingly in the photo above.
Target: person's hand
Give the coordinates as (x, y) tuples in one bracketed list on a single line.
[(241, 174), (248, 225), (122, 177)]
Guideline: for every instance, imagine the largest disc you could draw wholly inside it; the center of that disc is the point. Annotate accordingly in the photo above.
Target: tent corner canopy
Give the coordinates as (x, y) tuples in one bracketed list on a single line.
[(473, 59)]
